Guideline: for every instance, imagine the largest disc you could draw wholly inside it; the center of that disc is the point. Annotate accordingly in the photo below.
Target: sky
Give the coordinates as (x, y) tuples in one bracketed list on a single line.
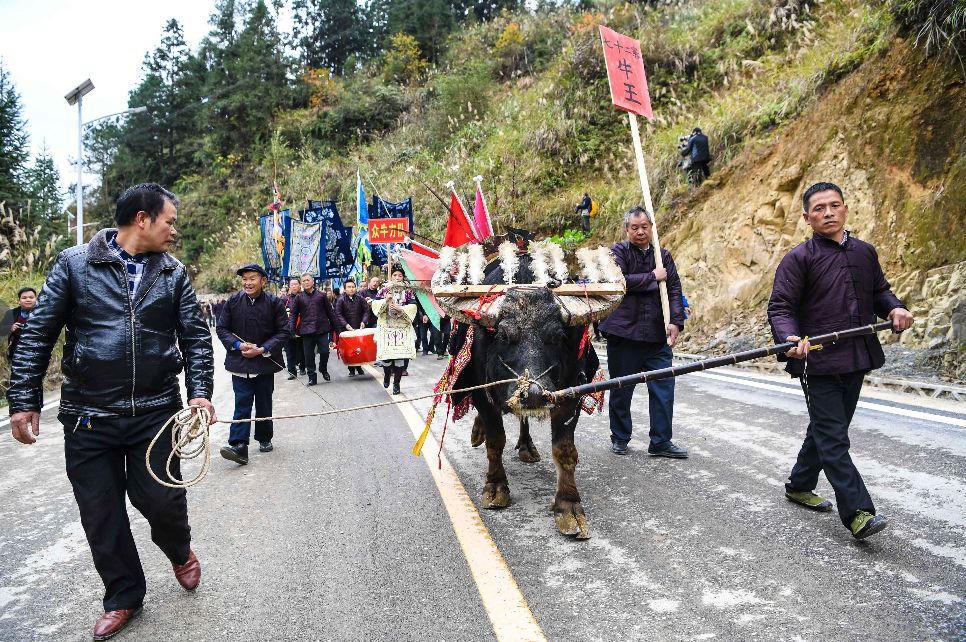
[(49, 47)]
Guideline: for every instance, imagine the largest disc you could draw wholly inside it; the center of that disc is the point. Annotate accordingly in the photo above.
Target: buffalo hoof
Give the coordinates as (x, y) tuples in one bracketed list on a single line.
[(570, 519), (496, 495), (528, 453), (478, 436)]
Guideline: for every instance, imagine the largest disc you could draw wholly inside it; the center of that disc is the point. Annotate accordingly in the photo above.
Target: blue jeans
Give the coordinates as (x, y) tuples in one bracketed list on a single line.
[(626, 357), (258, 389)]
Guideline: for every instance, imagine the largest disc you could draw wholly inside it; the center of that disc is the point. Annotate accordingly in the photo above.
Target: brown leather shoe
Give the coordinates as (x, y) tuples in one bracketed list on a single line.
[(189, 573), (111, 623)]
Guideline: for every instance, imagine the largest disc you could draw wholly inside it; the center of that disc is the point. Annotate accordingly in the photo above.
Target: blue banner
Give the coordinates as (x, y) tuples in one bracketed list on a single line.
[(385, 209), (336, 258)]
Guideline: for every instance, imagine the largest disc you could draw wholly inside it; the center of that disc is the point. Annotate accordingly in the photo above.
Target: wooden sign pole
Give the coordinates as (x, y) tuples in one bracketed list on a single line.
[(655, 239)]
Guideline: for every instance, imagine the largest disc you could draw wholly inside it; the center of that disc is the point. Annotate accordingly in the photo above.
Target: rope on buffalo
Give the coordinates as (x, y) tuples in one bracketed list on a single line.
[(194, 422)]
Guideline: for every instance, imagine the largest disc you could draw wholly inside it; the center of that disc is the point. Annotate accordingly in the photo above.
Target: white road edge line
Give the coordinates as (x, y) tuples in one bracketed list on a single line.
[(53, 404), (502, 599), (867, 405)]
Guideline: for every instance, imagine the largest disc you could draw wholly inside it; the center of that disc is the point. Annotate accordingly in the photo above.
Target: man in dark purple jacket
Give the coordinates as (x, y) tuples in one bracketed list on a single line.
[(638, 340), (313, 319), (253, 327), (832, 282), (351, 313)]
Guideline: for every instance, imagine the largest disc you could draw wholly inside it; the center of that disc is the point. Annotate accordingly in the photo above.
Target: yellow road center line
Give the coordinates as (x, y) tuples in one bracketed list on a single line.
[(502, 599)]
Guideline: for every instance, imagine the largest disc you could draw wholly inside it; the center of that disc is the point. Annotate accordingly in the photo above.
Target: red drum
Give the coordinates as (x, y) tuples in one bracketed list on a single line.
[(357, 347)]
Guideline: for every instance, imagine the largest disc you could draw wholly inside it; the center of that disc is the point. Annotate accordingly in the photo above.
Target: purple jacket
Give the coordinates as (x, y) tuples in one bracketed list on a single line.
[(639, 316), (822, 287), (352, 311), (311, 313)]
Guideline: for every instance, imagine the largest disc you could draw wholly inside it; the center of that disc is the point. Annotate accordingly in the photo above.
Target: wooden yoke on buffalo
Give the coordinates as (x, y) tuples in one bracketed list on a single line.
[(472, 292)]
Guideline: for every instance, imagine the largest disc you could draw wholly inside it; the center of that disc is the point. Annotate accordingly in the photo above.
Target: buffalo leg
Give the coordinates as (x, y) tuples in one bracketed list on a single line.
[(496, 491), (526, 450), (478, 436), (568, 513)]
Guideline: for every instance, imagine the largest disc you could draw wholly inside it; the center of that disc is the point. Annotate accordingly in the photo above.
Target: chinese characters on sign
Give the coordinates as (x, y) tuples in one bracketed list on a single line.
[(388, 230), (625, 72)]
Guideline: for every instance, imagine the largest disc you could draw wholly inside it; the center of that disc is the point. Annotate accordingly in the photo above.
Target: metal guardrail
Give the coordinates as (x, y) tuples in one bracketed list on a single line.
[(922, 388)]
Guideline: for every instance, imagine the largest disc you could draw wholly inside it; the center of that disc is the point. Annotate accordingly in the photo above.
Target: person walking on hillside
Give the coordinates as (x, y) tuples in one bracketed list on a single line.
[(395, 310), (832, 282), (313, 319), (351, 313), (253, 328), (132, 325), (638, 340), (294, 358), (27, 299), (699, 152), (583, 209)]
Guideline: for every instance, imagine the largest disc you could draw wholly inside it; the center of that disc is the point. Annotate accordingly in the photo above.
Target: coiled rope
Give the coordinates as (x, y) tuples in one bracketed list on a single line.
[(194, 422)]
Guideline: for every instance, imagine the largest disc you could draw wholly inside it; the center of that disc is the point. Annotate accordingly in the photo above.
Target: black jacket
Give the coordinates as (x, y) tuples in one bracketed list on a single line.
[(263, 322), (311, 313), (697, 149), (122, 353), (355, 312)]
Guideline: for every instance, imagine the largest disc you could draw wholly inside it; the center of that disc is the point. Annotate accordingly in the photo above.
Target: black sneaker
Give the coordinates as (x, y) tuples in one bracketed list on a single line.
[(265, 446), (441, 356), (670, 450), (325, 375), (312, 382), (237, 453), (301, 371), (617, 449), (395, 390), (291, 376), (352, 372)]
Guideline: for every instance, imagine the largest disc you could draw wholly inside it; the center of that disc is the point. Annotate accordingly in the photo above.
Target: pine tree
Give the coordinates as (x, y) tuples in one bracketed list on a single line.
[(329, 31), (43, 186), (13, 144)]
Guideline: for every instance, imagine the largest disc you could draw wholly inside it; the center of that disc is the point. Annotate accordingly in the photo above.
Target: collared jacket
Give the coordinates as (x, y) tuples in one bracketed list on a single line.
[(821, 287), (311, 313), (640, 316), (123, 352), (20, 316), (352, 311), (262, 321), (697, 149)]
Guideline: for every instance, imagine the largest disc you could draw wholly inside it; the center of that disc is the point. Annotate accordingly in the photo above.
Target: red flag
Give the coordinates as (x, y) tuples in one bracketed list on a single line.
[(625, 73), (480, 215), (425, 250), (459, 229)]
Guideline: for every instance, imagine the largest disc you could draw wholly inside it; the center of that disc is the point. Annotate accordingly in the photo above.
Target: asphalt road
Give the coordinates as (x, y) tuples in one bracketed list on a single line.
[(341, 534)]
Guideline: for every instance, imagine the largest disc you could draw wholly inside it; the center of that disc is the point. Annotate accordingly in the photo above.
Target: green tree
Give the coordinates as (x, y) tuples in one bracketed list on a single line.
[(428, 21), (327, 32), (13, 143)]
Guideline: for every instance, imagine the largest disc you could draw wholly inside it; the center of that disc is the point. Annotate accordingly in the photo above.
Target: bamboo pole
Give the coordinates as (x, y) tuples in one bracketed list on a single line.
[(646, 188), (707, 364)]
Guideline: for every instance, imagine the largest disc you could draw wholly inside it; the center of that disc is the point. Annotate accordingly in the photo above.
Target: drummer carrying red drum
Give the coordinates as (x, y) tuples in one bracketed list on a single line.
[(352, 313)]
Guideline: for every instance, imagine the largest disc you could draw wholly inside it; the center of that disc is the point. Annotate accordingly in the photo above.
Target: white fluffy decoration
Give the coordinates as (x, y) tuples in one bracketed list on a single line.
[(461, 268), (476, 263), (587, 258), (509, 261), (557, 262), (447, 255), (608, 266), (538, 263)]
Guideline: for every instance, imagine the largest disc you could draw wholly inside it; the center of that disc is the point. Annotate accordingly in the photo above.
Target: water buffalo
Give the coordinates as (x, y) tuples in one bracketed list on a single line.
[(528, 330)]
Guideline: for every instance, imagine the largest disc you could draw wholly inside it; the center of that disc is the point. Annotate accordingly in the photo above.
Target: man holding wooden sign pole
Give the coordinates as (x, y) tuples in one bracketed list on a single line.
[(639, 333)]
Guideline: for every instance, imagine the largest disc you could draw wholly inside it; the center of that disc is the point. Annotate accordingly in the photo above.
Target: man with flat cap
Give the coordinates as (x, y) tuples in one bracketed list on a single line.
[(253, 326)]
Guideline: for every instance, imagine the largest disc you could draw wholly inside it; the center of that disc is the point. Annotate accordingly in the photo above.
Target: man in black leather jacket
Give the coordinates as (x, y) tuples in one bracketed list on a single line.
[(132, 325)]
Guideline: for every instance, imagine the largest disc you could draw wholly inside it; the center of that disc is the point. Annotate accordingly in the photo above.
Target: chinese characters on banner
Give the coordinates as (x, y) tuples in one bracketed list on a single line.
[(625, 72), (388, 230)]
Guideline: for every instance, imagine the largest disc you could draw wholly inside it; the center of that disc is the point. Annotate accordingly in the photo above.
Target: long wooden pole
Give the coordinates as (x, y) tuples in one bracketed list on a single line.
[(713, 362), (655, 239)]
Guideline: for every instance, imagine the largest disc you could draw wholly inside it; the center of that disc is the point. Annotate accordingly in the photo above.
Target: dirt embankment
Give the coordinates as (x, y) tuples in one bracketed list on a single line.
[(892, 134)]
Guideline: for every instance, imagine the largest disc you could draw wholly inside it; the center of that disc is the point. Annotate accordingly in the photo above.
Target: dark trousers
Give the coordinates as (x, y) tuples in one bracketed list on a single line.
[(426, 337), (626, 357), (831, 404), (309, 344), (293, 354), (247, 390), (105, 460), (445, 327), (585, 223)]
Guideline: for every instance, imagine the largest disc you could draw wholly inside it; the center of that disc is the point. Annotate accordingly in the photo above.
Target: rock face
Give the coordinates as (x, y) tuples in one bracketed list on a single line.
[(892, 134)]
